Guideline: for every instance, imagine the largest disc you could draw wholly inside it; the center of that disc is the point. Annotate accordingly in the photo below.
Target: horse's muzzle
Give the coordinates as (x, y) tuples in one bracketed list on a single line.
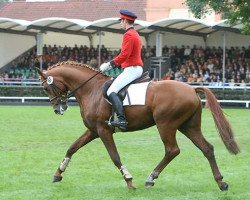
[(59, 109)]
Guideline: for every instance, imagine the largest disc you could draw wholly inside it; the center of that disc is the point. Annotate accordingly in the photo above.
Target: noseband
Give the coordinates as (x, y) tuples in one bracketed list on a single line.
[(60, 96)]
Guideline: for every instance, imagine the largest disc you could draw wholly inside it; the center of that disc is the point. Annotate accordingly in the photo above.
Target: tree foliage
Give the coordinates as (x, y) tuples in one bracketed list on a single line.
[(4, 1), (236, 11)]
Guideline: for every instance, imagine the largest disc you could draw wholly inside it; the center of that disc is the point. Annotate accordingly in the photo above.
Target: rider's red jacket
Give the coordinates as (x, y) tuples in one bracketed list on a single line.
[(130, 51)]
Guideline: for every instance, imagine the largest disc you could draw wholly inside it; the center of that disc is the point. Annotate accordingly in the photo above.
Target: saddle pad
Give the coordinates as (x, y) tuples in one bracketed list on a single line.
[(137, 94)]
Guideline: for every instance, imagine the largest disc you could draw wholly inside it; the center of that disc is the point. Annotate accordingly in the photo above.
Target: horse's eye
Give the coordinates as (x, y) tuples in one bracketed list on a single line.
[(45, 89)]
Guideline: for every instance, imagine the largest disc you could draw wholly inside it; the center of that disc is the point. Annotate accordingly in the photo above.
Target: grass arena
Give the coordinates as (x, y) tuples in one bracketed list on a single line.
[(34, 141)]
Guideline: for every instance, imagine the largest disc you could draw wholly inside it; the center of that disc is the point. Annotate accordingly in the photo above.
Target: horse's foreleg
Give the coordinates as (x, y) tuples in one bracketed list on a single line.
[(87, 137), (108, 141), (171, 151)]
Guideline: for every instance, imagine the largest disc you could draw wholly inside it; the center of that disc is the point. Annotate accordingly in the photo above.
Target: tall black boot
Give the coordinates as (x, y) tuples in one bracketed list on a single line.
[(118, 107)]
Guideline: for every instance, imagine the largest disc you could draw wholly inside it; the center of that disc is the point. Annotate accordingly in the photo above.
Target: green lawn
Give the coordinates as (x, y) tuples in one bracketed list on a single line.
[(33, 141)]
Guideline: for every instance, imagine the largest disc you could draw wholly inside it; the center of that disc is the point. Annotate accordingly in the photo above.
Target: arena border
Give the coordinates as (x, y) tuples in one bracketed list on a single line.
[(72, 100)]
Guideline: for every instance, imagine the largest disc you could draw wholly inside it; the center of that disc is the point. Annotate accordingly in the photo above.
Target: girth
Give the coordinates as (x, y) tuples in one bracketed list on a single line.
[(122, 93)]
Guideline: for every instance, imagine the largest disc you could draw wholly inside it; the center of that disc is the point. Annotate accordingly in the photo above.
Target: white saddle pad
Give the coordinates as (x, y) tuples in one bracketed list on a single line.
[(137, 94)]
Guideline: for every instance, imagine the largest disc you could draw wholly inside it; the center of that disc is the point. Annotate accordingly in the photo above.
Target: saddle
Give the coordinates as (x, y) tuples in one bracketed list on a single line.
[(122, 93)]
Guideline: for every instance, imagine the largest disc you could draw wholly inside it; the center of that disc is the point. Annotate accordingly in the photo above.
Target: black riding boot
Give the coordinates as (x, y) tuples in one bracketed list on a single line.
[(118, 107)]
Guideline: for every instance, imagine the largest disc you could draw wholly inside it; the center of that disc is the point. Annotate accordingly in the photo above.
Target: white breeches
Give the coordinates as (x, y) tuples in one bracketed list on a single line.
[(127, 76)]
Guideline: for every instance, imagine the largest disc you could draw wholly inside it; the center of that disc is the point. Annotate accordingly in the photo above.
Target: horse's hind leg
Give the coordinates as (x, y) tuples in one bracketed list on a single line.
[(87, 137), (171, 151), (193, 131)]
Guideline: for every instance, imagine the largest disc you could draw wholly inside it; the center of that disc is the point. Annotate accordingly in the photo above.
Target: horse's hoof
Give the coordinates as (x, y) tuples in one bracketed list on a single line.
[(130, 185), (57, 179), (224, 186), (149, 184)]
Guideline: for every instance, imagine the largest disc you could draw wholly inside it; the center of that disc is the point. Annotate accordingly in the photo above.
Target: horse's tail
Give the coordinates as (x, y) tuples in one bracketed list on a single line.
[(222, 124)]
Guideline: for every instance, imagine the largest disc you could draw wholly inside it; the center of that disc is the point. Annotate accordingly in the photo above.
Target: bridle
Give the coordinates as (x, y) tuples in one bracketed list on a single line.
[(60, 96)]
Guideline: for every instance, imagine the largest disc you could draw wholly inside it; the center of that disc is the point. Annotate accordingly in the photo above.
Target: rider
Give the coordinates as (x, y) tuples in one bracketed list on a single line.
[(130, 60)]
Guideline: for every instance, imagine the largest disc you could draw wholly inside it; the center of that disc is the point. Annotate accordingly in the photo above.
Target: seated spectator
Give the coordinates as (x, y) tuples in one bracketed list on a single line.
[(93, 63), (187, 53), (166, 76), (231, 83), (190, 78), (247, 75), (200, 79), (1, 79)]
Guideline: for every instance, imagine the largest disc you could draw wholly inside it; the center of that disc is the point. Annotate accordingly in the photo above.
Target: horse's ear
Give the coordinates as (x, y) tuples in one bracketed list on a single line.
[(40, 73)]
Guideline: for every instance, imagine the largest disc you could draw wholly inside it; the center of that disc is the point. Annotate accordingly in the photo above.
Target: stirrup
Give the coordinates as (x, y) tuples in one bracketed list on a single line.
[(119, 124)]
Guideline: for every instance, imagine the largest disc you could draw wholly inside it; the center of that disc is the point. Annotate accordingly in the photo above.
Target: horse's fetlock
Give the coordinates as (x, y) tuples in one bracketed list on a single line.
[(154, 174), (125, 173), (218, 178), (64, 164)]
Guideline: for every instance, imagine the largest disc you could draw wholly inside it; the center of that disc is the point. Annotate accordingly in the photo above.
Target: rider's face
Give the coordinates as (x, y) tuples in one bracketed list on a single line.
[(123, 24)]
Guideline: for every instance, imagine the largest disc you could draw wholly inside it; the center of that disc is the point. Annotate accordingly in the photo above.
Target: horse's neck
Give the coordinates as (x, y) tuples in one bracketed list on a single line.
[(88, 84), (74, 77)]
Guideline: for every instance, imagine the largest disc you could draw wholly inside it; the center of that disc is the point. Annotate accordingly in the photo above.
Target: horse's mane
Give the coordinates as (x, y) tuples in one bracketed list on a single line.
[(74, 64)]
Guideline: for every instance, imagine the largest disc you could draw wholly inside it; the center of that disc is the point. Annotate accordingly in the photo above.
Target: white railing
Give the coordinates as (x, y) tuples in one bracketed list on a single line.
[(72, 99), (20, 82), (247, 103), (27, 99)]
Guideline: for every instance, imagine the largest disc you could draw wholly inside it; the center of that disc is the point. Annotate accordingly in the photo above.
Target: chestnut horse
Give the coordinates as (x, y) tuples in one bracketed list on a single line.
[(170, 105)]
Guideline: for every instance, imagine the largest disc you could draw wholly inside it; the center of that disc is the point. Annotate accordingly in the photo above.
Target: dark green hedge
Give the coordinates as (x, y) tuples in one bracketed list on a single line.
[(21, 91), (229, 94), (226, 94)]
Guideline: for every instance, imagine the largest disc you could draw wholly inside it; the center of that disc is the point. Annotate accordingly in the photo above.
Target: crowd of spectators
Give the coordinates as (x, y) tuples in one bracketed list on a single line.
[(201, 65), (187, 64)]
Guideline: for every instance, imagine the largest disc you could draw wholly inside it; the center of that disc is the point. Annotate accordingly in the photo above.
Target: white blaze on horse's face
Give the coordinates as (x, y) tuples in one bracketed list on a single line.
[(60, 110), (60, 106)]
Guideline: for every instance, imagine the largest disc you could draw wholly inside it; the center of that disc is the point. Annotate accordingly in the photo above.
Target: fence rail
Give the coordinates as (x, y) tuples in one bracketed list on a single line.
[(28, 99), (37, 83), (21, 82), (247, 103), (24, 100)]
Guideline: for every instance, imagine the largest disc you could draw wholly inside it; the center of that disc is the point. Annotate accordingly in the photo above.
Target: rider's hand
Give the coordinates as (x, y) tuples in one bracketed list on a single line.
[(105, 66)]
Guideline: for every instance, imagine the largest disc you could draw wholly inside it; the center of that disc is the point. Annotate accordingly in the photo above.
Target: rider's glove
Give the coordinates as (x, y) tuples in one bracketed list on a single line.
[(105, 66)]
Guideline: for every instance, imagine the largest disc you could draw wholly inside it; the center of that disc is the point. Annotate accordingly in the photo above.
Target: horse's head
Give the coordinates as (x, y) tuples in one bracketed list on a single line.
[(56, 91)]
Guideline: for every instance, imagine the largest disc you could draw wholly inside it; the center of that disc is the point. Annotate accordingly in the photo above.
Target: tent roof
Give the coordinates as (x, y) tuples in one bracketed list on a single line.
[(13, 25), (81, 27)]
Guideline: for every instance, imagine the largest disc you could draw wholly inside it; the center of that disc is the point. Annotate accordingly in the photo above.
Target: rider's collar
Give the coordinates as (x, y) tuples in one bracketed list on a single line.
[(129, 28)]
